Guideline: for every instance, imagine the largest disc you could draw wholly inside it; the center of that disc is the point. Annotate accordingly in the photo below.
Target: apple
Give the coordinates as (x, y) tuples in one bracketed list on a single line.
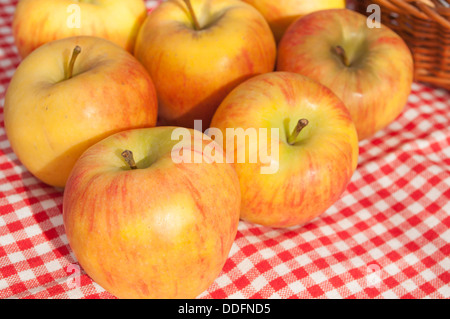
[(280, 14), (198, 51), (371, 70), (40, 21), (144, 225), (317, 147), (67, 95)]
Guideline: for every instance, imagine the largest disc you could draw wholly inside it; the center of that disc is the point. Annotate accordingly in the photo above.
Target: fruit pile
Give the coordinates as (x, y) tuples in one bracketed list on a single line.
[(166, 129)]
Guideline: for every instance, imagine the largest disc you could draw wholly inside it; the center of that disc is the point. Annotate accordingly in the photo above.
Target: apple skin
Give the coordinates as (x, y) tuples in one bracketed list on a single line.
[(376, 86), (194, 70), (50, 121), (280, 14), (163, 230), (315, 171), (37, 22)]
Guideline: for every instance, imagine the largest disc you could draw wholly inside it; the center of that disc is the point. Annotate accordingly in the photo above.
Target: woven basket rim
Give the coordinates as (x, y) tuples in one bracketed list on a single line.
[(430, 10), (427, 37)]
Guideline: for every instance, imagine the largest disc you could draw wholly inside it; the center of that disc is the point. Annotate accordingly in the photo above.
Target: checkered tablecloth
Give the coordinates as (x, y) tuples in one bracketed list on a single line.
[(386, 237)]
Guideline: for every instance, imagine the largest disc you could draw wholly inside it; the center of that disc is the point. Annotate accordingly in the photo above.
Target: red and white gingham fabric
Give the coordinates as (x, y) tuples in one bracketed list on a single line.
[(386, 237)]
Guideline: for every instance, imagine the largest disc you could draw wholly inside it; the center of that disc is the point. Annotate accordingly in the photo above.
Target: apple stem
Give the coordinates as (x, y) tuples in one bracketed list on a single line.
[(128, 156), (341, 53), (301, 124), (192, 13), (75, 54)]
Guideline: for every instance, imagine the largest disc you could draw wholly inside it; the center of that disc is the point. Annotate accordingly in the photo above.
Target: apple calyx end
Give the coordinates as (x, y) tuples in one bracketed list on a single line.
[(301, 124), (128, 157)]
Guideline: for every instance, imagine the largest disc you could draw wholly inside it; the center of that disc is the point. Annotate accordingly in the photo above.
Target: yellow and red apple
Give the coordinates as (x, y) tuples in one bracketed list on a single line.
[(198, 51), (40, 21), (370, 69), (280, 14), (143, 224), (67, 95), (317, 147)]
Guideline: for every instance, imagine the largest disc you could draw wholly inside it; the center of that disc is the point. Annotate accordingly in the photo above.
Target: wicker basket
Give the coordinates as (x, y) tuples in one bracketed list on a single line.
[(425, 27)]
